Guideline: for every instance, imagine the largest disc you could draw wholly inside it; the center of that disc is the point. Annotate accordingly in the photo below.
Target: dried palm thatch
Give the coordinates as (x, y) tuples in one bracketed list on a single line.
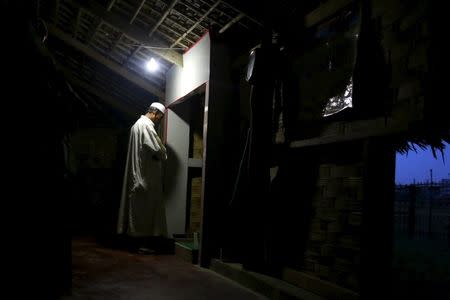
[(435, 139)]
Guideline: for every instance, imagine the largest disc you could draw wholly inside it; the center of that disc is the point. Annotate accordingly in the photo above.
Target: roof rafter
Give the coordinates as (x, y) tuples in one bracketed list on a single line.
[(163, 17), (111, 4), (187, 18), (137, 11), (106, 62), (132, 31), (165, 33), (199, 13), (117, 41), (195, 25), (132, 54), (222, 30), (76, 24), (245, 15), (98, 23)]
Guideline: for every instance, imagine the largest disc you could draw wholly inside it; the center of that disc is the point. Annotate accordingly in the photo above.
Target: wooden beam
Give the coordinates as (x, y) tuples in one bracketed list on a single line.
[(131, 55), (163, 17), (171, 38), (167, 28), (97, 25), (77, 22), (108, 99), (128, 62), (195, 25), (325, 11), (163, 33), (113, 66), (355, 130), (222, 30), (137, 11), (132, 31), (188, 18), (245, 15), (110, 5), (199, 13), (115, 44), (156, 79)]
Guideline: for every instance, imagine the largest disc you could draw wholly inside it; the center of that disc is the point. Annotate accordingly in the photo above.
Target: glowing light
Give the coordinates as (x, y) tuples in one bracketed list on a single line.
[(152, 65)]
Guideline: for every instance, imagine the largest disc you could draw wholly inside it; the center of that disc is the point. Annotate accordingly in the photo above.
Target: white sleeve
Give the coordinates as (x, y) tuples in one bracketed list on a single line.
[(152, 141)]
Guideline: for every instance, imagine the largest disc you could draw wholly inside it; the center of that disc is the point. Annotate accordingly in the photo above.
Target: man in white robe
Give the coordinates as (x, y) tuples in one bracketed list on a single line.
[(142, 212)]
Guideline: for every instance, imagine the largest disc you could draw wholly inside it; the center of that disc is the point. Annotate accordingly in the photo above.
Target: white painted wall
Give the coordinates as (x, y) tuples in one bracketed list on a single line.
[(195, 71), (176, 173), (180, 81)]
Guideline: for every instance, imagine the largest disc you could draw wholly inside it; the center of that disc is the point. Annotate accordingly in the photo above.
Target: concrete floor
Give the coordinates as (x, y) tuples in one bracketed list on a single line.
[(103, 273)]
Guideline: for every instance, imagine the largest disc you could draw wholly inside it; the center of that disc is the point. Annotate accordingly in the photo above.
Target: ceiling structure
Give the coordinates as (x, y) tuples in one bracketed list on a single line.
[(100, 43), (102, 46)]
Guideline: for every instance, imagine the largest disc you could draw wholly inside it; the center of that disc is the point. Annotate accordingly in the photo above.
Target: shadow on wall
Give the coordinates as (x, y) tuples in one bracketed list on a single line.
[(170, 172)]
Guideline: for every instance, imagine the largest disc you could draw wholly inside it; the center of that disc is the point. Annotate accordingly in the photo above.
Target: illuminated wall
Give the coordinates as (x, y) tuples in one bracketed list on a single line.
[(180, 81)]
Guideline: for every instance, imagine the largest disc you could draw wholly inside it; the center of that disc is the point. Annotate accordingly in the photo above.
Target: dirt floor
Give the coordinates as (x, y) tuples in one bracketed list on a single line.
[(99, 272)]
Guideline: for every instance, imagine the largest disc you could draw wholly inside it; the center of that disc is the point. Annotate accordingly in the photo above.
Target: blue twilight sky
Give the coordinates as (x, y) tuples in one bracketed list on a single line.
[(417, 166)]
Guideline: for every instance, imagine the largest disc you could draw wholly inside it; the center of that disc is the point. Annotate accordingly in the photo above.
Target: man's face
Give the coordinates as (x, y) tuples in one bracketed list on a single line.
[(158, 117)]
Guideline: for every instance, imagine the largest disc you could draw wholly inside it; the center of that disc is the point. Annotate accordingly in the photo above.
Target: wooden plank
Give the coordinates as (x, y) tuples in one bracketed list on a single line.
[(355, 130), (157, 91)]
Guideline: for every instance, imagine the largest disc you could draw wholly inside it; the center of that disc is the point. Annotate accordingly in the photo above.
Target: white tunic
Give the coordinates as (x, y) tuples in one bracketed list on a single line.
[(142, 210)]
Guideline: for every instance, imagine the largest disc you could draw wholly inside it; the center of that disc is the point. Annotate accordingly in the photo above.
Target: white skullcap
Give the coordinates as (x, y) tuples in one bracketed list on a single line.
[(159, 106)]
